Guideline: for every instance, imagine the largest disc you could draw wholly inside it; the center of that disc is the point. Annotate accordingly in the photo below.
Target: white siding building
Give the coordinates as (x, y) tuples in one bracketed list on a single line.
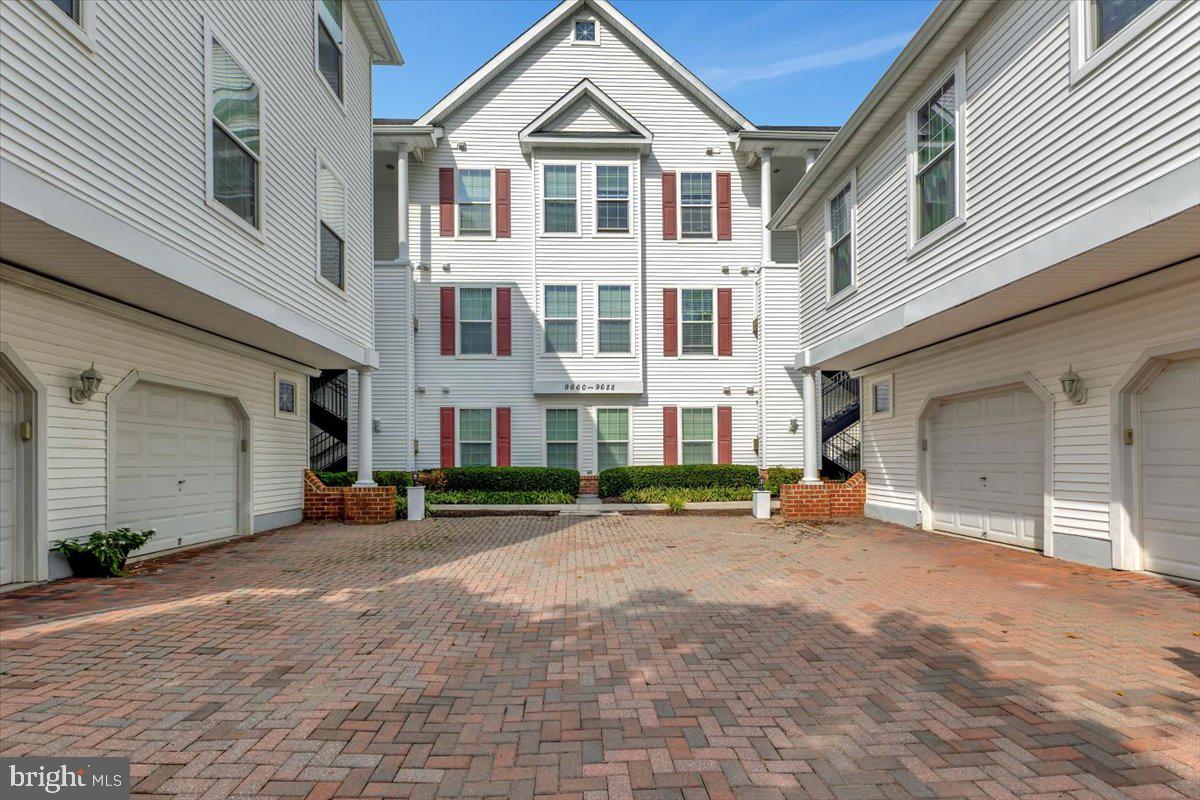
[(573, 266), (1002, 243), (185, 196)]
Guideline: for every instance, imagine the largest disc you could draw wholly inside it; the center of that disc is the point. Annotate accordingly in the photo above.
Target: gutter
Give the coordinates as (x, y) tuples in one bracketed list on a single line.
[(391, 49)]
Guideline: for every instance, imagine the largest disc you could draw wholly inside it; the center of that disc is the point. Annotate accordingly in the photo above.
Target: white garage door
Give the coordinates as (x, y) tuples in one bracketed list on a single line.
[(1170, 453), (177, 465), (988, 467), (8, 482)]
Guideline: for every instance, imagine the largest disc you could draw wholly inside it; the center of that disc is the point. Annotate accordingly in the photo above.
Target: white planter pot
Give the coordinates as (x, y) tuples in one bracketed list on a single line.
[(762, 504), (416, 503)]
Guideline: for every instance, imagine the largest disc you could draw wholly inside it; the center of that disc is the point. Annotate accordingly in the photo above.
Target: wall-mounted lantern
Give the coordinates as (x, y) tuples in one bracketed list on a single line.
[(89, 384), (1072, 386)]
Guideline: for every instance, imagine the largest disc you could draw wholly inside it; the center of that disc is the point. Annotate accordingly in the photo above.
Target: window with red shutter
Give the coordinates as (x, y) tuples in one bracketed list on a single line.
[(447, 326), (670, 322), (503, 321), (503, 204), (724, 434), (724, 205), (446, 201), (447, 436), (724, 322), (503, 437), (668, 205), (670, 435)]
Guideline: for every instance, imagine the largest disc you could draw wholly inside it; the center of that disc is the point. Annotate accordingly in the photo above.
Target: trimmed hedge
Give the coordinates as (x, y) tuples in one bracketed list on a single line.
[(619, 480), (476, 497), (501, 479), (696, 494), (780, 475), (383, 477)]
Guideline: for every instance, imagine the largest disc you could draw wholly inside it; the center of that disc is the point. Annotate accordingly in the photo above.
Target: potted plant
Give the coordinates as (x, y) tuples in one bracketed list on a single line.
[(103, 554)]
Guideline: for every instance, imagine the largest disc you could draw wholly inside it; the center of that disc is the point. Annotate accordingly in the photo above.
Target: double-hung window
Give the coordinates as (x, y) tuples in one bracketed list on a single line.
[(612, 198), (696, 205), (329, 43), (1107, 18), (331, 227), (562, 319), (236, 160), (612, 438), (1101, 28), (562, 437), (476, 321), (696, 321), (614, 312), (474, 437), (879, 396), (935, 162), (474, 200), (72, 8), (560, 198), (841, 240), (696, 435)]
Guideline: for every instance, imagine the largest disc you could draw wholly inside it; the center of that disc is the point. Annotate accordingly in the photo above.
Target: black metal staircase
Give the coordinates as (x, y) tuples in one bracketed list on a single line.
[(841, 449), (328, 415)]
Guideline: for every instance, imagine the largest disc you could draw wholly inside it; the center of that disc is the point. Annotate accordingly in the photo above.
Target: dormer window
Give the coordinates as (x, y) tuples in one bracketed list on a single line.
[(586, 32)]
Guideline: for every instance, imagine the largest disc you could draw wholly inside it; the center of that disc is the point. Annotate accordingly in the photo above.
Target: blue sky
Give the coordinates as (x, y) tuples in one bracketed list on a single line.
[(779, 62)]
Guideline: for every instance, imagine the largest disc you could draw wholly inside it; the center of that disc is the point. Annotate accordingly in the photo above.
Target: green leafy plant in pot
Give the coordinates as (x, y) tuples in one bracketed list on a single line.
[(103, 554)]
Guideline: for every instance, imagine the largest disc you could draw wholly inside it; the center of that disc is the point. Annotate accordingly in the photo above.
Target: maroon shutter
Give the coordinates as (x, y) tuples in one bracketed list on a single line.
[(724, 434), (668, 205), (670, 435), (724, 322), (503, 437), (447, 320), (724, 206), (447, 418), (670, 323), (446, 200), (503, 321), (503, 204)]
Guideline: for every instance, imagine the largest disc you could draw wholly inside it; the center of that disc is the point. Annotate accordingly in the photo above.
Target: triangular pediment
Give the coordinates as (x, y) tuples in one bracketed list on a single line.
[(586, 115)]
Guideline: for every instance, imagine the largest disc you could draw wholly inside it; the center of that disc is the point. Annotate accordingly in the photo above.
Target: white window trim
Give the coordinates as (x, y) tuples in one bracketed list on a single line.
[(541, 178), (458, 440), (282, 377), (679, 433), (628, 433), (578, 431), (458, 321), (258, 233), (632, 326), (712, 228), (958, 71), (1083, 62), (869, 396), (337, 291), (594, 21), (578, 319), (340, 101), (84, 31), (679, 321), (626, 234), (832, 299), (474, 237)]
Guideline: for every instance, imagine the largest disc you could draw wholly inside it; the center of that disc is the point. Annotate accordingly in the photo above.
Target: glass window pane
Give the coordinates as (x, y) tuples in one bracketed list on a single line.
[(935, 124), (612, 424), (697, 339), (697, 305), (935, 190), (561, 301), (475, 455), (331, 10), (560, 336), (614, 302), (331, 201), (333, 254), (697, 453), (475, 338), (235, 176), (839, 214), (235, 97), (329, 58), (697, 424), (475, 304), (697, 221), (475, 424), (842, 276), (585, 31), (475, 218), (565, 456), (1109, 17), (68, 7), (474, 186), (881, 397), (612, 183), (562, 425), (612, 454), (612, 216), (287, 397), (615, 336), (696, 188), (560, 181), (560, 216)]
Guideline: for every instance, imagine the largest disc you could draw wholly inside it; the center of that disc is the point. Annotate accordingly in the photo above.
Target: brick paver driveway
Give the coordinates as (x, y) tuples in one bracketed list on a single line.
[(642, 657)]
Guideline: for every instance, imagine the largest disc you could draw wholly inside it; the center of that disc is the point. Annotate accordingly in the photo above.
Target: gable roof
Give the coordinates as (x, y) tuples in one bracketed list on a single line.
[(623, 128), (560, 13), (376, 31)]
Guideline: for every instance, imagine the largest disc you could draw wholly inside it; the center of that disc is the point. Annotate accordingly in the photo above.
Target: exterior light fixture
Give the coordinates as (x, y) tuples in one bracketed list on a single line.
[(89, 384), (1072, 386), (794, 425)]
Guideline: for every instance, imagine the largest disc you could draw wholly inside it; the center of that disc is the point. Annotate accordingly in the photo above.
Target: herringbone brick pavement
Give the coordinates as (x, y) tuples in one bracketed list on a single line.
[(620, 657)]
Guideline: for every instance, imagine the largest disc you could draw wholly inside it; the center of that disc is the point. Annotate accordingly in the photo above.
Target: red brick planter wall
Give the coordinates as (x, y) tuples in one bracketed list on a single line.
[(356, 505), (825, 499), (589, 484)]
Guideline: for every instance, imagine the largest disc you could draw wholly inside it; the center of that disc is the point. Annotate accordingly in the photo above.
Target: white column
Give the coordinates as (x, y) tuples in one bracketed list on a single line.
[(765, 168), (365, 468), (402, 202), (812, 427)]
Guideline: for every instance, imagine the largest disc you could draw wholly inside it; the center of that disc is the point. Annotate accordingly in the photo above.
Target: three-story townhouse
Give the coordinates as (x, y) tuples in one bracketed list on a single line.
[(1002, 244), (573, 263), (185, 196)]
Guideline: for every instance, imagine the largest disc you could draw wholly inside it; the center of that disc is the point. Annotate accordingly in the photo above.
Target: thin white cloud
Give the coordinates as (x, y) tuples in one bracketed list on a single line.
[(728, 77)]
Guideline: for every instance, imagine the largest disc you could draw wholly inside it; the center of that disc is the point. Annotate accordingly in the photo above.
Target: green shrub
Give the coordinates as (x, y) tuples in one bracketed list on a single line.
[(383, 477), (615, 482), (482, 498), (502, 479), (103, 554), (698, 494), (780, 475), (675, 503)]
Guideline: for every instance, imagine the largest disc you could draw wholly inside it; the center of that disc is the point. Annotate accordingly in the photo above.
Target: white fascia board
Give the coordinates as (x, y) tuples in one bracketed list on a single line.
[(598, 142), (370, 17)]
